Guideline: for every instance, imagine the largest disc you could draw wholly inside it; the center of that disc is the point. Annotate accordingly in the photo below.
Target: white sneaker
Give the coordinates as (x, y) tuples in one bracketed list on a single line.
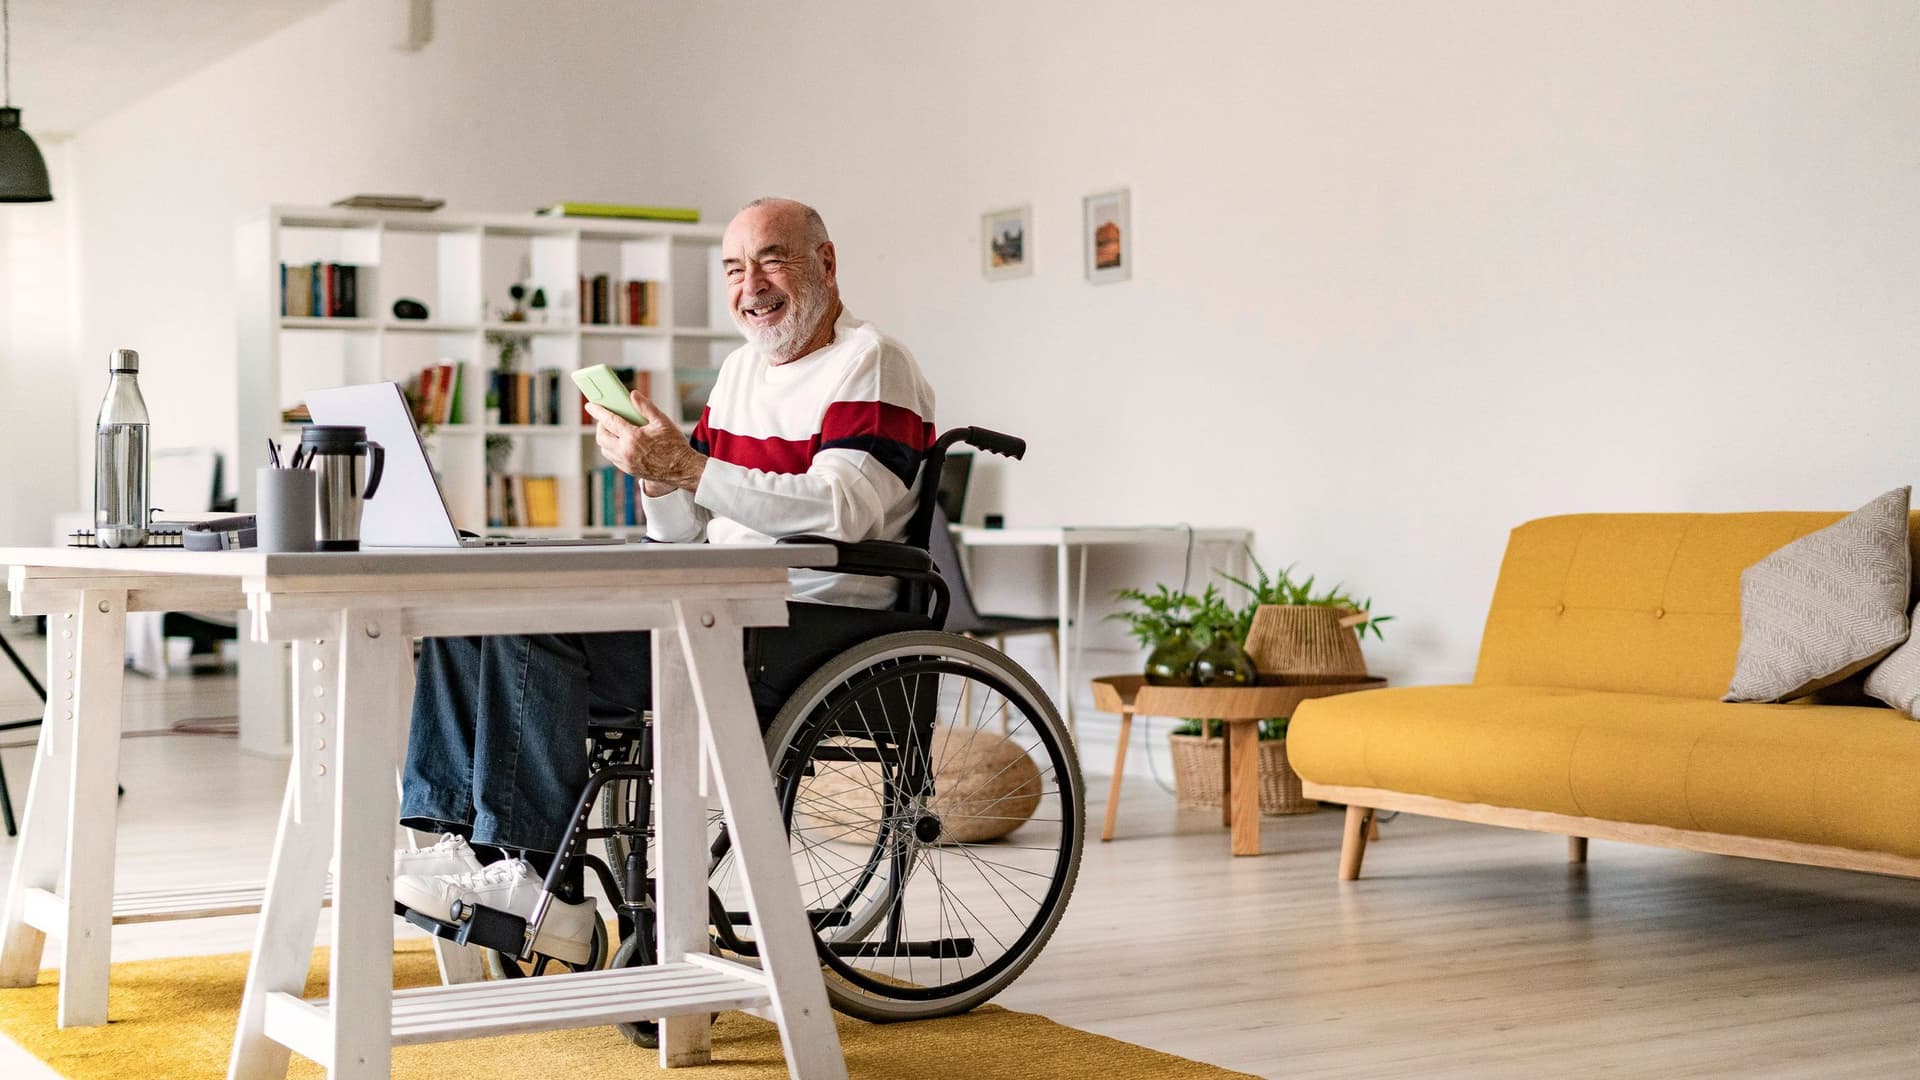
[(449, 855), (510, 886)]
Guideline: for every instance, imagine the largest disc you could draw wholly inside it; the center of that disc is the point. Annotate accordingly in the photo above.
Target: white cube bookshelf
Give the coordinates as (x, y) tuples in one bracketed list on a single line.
[(461, 266)]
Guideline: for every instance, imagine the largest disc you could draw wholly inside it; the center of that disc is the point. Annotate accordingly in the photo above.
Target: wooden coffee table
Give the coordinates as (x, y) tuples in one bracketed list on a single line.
[(1241, 708)]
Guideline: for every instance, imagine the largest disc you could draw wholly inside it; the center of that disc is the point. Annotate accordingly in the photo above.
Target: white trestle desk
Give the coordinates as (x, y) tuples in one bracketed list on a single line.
[(1064, 538), (352, 618)]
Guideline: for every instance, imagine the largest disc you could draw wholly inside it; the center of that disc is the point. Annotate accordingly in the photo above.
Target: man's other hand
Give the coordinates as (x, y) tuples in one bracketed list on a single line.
[(656, 453)]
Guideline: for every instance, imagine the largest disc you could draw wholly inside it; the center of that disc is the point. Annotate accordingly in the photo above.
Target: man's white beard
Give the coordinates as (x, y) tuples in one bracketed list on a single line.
[(805, 308)]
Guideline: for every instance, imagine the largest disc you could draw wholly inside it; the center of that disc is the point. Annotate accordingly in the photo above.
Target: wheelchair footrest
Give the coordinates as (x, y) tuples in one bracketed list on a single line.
[(937, 949), (820, 918), (489, 928)]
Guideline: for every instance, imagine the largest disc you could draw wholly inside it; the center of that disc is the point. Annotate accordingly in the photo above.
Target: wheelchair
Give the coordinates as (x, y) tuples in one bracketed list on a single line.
[(932, 797)]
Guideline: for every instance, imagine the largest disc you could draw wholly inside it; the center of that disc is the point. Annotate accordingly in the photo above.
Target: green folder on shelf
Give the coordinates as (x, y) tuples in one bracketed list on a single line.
[(620, 210)]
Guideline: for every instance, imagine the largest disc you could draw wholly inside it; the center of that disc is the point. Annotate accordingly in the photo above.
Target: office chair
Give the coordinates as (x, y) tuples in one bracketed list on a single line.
[(962, 616), (6, 798)]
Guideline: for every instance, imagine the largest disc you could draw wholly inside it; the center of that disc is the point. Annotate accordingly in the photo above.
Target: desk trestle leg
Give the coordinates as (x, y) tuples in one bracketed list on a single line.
[(739, 770), (680, 833), (36, 861), (283, 944)]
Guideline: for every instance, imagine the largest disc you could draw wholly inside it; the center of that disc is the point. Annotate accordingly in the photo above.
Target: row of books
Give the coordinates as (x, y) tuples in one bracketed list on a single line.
[(434, 393), (613, 499), (607, 302), (516, 500), (527, 397), (320, 290)]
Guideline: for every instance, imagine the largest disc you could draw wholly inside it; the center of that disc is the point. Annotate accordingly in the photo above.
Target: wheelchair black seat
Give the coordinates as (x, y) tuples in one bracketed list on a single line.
[(779, 658)]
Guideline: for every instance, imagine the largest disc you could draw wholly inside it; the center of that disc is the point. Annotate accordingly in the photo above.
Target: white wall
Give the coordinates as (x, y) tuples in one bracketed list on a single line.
[(39, 471), (1408, 274)]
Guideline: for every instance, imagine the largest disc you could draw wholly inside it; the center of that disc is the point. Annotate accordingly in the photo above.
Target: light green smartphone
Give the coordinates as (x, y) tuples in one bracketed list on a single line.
[(602, 387)]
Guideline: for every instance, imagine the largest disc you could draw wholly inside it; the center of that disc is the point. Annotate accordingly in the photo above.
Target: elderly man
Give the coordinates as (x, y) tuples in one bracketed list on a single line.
[(816, 425)]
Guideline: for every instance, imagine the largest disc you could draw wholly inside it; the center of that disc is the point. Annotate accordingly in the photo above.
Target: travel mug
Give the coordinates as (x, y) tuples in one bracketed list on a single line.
[(286, 499)]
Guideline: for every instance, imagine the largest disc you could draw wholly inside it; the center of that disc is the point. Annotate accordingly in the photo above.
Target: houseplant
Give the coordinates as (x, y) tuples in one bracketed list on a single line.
[(1163, 618)]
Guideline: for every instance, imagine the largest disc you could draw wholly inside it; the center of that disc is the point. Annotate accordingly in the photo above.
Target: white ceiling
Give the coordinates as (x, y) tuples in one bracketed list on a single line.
[(75, 61)]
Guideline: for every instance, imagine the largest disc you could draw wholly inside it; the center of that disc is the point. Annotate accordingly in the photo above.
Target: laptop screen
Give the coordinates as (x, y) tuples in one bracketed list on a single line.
[(953, 485), (407, 510)]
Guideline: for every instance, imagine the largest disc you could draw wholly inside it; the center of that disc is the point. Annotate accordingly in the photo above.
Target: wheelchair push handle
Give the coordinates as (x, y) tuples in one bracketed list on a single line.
[(993, 442)]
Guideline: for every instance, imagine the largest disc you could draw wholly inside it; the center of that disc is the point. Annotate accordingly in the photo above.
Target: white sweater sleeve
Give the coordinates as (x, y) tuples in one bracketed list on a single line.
[(674, 517)]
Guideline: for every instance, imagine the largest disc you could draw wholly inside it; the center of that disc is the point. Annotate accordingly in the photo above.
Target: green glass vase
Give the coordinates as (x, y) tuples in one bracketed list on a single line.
[(1171, 661), (1224, 663)]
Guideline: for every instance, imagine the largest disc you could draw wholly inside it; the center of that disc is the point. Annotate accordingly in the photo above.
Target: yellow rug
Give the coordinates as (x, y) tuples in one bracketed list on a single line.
[(174, 1019)]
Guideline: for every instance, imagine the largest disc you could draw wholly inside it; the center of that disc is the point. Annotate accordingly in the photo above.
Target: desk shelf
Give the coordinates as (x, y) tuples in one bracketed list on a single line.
[(518, 1006)]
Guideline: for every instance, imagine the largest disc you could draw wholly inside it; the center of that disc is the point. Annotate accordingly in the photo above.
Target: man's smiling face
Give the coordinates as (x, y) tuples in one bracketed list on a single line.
[(779, 285)]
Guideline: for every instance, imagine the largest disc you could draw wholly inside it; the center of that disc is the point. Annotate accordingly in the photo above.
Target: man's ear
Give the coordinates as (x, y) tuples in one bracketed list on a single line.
[(828, 262)]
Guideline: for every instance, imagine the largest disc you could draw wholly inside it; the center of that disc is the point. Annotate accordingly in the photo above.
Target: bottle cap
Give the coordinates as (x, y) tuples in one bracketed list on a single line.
[(123, 360)]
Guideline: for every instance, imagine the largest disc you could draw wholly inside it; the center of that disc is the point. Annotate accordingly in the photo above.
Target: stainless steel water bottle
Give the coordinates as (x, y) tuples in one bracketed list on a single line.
[(120, 500)]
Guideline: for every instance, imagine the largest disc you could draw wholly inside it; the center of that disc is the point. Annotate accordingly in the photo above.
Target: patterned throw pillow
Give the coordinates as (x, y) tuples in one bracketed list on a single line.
[(1825, 606), (1897, 680)]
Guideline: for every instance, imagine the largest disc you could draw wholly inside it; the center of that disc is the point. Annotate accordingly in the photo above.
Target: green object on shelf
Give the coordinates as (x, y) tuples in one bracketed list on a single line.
[(619, 210)]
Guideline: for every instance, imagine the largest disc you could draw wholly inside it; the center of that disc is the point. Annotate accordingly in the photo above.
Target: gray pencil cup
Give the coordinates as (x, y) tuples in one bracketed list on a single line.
[(286, 499)]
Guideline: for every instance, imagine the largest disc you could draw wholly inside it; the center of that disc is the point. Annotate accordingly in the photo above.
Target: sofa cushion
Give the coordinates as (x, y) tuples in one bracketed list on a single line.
[(1643, 603), (1896, 680), (1817, 774), (1825, 606)]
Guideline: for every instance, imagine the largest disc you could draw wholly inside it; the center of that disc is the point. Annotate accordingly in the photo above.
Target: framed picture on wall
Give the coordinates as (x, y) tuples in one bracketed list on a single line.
[(1107, 235), (1006, 238)]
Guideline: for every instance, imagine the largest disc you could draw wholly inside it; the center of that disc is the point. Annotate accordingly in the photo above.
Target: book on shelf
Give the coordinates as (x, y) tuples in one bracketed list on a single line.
[(526, 397), (621, 210), (319, 290), (606, 301), (520, 501), (434, 393), (390, 202), (613, 499)]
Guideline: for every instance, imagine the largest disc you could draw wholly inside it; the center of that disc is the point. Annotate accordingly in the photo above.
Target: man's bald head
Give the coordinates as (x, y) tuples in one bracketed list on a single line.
[(792, 212)]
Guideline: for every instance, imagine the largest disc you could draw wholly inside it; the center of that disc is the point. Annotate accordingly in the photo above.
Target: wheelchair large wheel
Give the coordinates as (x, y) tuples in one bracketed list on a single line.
[(936, 816)]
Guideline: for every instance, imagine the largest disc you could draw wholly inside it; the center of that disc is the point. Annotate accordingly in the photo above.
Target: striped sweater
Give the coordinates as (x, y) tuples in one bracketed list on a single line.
[(829, 444)]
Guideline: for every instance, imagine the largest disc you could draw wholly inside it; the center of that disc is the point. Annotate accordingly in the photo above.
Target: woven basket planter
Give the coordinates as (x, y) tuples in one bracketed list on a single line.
[(1306, 640), (1197, 780)]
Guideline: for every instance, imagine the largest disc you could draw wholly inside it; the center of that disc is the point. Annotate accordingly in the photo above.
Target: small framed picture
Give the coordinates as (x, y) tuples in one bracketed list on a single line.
[(1108, 237), (1006, 238)]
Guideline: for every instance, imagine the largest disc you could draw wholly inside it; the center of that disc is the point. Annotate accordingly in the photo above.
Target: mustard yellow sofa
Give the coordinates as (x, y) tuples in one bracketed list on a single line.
[(1595, 712)]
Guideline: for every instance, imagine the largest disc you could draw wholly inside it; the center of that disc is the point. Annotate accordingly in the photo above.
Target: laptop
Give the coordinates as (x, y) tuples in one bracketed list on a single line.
[(408, 510)]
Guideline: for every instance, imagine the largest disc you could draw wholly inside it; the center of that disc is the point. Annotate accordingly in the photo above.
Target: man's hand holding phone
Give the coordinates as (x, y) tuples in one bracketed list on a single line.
[(646, 445)]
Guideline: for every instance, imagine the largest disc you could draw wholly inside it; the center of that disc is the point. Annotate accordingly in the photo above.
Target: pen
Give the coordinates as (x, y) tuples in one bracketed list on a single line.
[(273, 453)]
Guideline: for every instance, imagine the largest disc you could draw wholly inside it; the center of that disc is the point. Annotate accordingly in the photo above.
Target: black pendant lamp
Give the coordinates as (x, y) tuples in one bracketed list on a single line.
[(23, 172)]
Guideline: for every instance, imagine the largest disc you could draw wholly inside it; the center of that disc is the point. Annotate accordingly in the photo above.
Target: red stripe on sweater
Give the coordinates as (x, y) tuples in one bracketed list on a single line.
[(851, 419), (767, 455)]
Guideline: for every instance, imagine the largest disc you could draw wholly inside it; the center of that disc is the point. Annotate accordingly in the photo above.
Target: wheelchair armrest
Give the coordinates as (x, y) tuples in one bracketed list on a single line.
[(872, 558)]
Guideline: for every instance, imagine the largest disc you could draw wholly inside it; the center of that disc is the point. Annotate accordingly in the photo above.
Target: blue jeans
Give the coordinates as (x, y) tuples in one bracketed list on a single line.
[(497, 747), (497, 750)]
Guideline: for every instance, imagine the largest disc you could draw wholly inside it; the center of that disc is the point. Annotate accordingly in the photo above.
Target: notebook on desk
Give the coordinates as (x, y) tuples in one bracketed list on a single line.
[(408, 510)]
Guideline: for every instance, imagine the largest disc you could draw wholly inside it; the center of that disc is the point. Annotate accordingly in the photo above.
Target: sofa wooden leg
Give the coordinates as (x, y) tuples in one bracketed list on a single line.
[(1576, 849), (1353, 842)]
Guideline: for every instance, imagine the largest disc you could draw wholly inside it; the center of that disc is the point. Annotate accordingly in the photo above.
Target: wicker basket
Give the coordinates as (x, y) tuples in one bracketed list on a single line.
[(1302, 639), (1197, 781)]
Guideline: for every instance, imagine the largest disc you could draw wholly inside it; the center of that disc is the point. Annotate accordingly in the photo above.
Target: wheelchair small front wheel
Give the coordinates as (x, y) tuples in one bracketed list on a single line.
[(935, 814)]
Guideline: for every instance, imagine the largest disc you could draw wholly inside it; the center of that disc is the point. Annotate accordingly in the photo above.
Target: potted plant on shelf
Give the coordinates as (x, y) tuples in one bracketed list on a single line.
[(1165, 618)]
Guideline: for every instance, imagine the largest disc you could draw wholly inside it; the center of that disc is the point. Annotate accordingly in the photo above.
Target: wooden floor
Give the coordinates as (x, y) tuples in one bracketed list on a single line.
[(1465, 951)]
